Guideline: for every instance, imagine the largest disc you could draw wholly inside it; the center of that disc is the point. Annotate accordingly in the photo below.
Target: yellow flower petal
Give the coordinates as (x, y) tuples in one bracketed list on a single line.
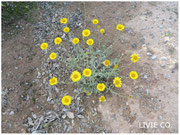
[(133, 75), (53, 81), (86, 32), (66, 100), (102, 99), (52, 56), (63, 20), (102, 31), (117, 82), (66, 29), (75, 40), (120, 27), (90, 42), (95, 21), (44, 46), (101, 86), (134, 57), (87, 72), (75, 76), (107, 63), (57, 40)]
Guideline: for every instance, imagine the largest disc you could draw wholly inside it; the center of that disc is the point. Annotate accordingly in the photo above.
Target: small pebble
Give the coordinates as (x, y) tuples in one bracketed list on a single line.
[(133, 45), (70, 115), (80, 116), (11, 113), (64, 116), (145, 76), (149, 54), (69, 128), (163, 65), (154, 57), (147, 92), (164, 58)]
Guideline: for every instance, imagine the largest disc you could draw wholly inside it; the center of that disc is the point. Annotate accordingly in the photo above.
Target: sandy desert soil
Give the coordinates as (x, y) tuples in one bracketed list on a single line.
[(151, 30)]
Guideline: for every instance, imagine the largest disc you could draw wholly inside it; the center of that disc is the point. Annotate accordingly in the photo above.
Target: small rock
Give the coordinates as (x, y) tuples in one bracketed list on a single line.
[(19, 57), (149, 54), (160, 117), (64, 116), (145, 76), (30, 122), (154, 57), (80, 116), (147, 92), (163, 65), (69, 128), (133, 45), (11, 113), (164, 58), (53, 20), (70, 115), (34, 115)]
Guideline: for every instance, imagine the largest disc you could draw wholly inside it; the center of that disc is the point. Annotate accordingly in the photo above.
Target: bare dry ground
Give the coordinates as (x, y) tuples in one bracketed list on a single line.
[(153, 29)]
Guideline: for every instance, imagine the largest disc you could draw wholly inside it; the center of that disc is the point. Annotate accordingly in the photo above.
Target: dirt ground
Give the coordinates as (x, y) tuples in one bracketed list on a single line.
[(151, 26)]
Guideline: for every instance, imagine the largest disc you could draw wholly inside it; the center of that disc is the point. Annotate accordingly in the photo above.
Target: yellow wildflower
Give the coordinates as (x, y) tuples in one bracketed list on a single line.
[(53, 81), (57, 40), (66, 100), (86, 52), (102, 99), (87, 72), (63, 20), (86, 32), (66, 29), (101, 86), (75, 76), (134, 57), (44, 46), (117, 82), (90, 42), (98, 26), (120, 27), (95, 21), (107, 63), (102, 31), (115, 67), (88, 93), (52, 56), (75, 40), (133, 75)]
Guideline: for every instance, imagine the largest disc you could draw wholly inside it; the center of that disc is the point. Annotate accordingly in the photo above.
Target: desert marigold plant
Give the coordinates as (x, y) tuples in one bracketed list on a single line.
[(93, 71)]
